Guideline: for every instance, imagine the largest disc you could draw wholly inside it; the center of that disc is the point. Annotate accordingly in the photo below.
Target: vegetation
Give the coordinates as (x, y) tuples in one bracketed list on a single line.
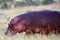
[(20, 3), (8, 3), (44, 2), (4, 6)]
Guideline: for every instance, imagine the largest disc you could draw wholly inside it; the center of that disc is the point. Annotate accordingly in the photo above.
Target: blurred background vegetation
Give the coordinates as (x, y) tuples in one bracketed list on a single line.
[(6, 4)]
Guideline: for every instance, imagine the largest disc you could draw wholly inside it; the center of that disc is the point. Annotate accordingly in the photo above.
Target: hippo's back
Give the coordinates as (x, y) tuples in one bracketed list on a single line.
[(42, 17)]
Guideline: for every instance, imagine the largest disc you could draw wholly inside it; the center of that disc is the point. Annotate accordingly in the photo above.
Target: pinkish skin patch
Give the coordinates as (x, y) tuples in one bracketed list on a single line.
[(40, 30), (14, 20), (37, 30), (19, 27)]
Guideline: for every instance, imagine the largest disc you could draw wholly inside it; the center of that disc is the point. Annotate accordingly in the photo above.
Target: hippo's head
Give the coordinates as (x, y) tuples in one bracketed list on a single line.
[(10, 30), (15, 26)]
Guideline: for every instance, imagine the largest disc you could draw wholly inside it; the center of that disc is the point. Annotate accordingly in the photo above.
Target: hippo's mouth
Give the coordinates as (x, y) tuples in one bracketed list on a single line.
[(10, 33)]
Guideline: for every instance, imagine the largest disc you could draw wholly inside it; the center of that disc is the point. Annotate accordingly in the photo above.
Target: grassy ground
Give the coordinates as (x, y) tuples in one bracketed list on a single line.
[(6, 15)]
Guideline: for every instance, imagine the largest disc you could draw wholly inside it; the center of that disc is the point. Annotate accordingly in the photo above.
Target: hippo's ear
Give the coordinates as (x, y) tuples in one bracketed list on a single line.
[(9, 23)]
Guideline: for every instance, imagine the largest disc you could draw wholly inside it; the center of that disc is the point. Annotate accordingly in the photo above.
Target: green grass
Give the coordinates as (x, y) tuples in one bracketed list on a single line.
[(6, 15)]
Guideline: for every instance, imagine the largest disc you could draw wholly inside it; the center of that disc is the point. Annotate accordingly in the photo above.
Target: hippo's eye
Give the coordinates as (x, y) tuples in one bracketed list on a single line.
[(11, 26)]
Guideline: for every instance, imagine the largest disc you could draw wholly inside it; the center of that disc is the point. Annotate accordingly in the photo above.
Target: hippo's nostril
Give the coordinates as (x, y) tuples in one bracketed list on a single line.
[(5, 33)]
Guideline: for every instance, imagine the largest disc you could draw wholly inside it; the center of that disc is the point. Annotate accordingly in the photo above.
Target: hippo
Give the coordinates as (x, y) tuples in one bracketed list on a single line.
[(40, 22)]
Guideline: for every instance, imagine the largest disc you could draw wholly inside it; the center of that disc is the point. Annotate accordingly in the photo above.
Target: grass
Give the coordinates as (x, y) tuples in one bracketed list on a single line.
[(6, 15)]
